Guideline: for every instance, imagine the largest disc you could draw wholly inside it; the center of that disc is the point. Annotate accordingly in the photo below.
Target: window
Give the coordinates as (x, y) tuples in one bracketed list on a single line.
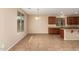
[(60, 22), (20, 22)]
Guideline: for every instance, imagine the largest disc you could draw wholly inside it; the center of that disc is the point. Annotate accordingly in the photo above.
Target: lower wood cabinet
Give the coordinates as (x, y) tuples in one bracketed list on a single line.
[(56, 31), (53, 30), (61, 33)]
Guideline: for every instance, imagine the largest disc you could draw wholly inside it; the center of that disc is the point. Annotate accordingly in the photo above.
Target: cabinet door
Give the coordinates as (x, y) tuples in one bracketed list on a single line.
[(78, 20), (51, 20), (70, 20), (75, 21), (62, 33), (50, 30), (53, 30)]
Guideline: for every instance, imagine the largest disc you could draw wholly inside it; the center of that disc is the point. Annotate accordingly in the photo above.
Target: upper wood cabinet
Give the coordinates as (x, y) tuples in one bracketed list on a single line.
[(72, 20), (78, 20), (52, 20)]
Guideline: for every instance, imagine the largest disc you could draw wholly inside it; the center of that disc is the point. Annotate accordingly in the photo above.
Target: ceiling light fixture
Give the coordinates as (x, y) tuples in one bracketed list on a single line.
[(62, 14), (37, 16)]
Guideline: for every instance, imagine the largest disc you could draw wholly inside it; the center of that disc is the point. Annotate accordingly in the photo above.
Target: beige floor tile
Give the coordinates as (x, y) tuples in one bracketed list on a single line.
[(42, 42)]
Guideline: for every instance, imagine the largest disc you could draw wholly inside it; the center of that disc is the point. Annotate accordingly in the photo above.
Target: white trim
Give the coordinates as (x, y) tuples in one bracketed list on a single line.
[(37, 33), (18, 33), (15, 42)]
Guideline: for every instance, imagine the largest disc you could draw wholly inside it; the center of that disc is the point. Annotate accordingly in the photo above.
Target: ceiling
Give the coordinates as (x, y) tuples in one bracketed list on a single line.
[(52, 11)]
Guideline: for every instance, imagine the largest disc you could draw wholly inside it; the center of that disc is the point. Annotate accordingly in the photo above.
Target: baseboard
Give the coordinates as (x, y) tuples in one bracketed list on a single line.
[(37, 33), (15, 42)]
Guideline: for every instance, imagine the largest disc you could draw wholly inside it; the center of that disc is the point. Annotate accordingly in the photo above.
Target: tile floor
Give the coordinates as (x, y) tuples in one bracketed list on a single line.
[(46, 43)]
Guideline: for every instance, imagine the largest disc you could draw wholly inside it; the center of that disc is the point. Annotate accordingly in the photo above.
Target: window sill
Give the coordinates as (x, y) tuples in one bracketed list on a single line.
[(19, 33)]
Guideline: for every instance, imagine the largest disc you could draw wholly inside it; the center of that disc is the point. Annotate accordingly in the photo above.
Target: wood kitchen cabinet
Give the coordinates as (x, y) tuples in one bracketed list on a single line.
[(72, 20), (78, 20), (51, 20), (53, 30), (75, 21), (62, 33)]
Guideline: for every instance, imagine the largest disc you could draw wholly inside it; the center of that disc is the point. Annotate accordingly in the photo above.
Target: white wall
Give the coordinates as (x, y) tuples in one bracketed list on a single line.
[(8, 28), (38, 26)]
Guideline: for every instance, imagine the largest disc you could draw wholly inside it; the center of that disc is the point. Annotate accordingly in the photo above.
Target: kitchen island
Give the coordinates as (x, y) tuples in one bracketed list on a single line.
[(71, 33)]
